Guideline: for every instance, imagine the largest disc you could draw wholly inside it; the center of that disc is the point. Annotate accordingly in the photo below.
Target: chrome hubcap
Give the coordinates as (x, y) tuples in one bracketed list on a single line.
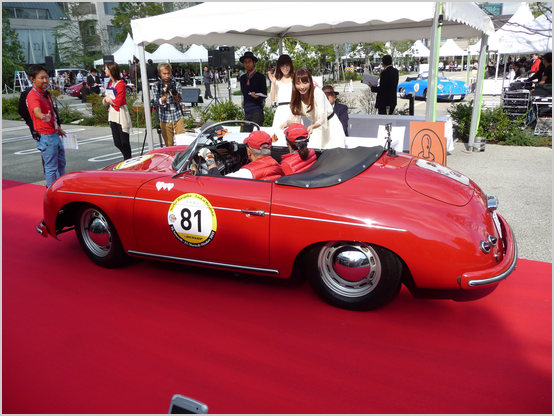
[(349, 269), (96, 232)]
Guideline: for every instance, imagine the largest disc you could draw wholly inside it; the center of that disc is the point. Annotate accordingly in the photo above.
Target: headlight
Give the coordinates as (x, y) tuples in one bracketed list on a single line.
[(440, 87)]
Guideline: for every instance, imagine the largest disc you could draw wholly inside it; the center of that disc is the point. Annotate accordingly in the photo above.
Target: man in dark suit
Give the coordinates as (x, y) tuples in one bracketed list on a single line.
[(388, 84), (92, 82), (340, 109)]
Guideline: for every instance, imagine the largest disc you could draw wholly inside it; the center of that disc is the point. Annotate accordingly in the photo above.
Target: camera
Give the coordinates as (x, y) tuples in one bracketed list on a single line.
[(171, 87)]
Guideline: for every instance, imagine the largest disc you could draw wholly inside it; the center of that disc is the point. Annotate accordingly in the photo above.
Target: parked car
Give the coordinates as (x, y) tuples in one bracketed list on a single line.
[(75, 90), (359, 222), (447, 89)]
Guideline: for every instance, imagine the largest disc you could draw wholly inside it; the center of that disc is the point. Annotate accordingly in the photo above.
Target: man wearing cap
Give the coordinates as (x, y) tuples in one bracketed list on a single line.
[(340, 109), (262, 165), (300, 157), (253, 86)]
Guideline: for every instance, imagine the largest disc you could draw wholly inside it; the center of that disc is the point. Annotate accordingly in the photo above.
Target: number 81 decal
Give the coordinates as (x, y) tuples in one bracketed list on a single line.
[(192, 220)]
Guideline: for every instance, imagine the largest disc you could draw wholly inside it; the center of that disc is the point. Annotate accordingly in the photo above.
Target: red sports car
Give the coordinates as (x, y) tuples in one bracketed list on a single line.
[(358, 222)]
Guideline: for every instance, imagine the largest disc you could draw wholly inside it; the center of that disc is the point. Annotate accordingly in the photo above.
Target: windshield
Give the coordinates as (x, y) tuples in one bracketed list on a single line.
[(210, 134)]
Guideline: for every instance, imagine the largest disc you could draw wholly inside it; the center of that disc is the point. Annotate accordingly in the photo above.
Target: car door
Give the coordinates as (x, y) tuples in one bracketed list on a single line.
[(208, 218)]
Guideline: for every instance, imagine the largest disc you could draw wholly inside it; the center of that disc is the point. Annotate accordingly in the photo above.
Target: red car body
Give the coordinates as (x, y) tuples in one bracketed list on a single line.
[(398, 216)]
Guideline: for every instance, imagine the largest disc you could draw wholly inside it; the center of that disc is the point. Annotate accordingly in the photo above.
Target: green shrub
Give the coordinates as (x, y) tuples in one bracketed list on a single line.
[(269, 115), (67, 114), (461, 119), (237, 92), (225, 110), (9, 107)]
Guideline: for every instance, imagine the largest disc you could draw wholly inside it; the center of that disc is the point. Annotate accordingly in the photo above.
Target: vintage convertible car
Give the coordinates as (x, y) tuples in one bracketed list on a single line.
[(358, 222), (447, 89)]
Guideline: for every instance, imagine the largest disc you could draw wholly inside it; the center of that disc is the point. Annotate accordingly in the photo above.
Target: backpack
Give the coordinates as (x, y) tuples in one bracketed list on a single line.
[(23, 111)]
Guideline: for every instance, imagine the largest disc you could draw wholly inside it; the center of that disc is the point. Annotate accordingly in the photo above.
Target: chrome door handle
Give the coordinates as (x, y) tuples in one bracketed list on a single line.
[(259, 213)]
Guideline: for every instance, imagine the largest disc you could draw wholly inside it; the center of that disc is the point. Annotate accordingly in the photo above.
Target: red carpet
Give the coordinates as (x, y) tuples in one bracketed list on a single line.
[(80, 339)]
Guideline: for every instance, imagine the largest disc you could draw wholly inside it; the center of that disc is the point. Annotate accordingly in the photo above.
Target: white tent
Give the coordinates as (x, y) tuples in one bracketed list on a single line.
[(125, 53), (419, 50), (227, 23), (533, 36), (168, 53), (450, 48), (520, 18), (196, 53)]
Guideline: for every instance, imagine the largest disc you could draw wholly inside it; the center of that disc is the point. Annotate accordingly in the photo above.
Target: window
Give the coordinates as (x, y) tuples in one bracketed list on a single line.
[(26, 13), (43, 14), (109, 7), (112, 33), (11, 12)]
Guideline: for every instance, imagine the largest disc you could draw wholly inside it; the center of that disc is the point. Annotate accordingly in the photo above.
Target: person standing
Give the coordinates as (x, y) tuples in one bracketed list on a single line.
[(386, 91), (281, 89), (167, 94), (251, 84), (151, 71), (326, 130), (207, 79), (547, 74), (45, 122), (340, 109), (118, 114)]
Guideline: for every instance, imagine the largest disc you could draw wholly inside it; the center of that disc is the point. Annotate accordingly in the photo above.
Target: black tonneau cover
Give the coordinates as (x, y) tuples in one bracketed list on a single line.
[(334, 166)]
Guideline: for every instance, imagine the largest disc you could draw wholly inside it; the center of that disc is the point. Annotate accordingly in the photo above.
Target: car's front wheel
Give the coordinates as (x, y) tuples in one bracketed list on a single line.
[(402, 92), (354, 275), (98, 237), (425, 94)]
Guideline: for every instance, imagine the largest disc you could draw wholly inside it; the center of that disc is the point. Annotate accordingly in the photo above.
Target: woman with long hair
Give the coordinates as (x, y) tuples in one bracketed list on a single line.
[(281, 89), (300, 157), (118, 114), (326, 130)]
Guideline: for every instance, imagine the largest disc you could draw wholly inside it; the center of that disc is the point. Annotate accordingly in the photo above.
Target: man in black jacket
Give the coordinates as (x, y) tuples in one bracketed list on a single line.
[(253, 86), (388, 85), (340, 109)]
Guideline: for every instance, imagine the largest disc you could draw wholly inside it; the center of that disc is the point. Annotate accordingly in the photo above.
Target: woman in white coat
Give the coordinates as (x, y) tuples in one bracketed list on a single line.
[(281, 90), (325, 130)]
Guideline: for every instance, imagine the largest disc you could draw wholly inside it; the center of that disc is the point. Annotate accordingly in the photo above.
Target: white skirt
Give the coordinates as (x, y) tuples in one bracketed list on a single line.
[(330, 137)]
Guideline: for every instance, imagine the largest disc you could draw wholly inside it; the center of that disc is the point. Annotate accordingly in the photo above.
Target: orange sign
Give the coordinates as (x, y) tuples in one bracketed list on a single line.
[(427, 141)]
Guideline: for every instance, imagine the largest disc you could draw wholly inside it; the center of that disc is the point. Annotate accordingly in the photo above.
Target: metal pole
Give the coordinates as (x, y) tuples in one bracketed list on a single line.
[(476, 111), (146, 97), (431, 106)]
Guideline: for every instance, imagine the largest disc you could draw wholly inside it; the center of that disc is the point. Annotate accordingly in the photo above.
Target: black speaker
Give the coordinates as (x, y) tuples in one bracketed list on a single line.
[(214, 58), (227, 56), (49, 65), (108, 58), (323, 58)]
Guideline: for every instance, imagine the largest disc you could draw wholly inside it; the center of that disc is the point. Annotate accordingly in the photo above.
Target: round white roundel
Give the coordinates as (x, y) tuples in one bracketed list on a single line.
[(416, 87), (192, 220), (132, 162)]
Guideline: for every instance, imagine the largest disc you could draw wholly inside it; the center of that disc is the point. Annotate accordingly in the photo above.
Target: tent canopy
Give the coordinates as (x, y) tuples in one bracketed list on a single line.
[(167, 52), (125, 53), (196, 53), (450, 48), (227, 23), (419, 50), (534, 36)]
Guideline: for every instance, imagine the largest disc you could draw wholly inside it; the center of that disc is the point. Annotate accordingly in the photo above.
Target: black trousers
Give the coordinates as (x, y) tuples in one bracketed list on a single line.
[(121, 140), (383, 110), (208, 93), (257, 118)]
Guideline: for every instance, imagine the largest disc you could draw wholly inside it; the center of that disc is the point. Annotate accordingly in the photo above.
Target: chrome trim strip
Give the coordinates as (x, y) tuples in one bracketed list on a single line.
[(501, 276), (341, 222), (209, 263), (90, 194), (171, 202)]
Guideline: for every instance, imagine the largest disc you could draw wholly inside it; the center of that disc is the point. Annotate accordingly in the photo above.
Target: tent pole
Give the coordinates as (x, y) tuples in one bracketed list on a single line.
[(280, 45), (431, 106), (476, 111), (146, 97)]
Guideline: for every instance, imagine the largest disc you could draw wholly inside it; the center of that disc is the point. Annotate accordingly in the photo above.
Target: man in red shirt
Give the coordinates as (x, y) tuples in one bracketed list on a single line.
[(46, 124)]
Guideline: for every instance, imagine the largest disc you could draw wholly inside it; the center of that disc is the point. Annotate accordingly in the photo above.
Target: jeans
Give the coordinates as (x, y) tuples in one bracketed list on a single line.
[(53, 157)]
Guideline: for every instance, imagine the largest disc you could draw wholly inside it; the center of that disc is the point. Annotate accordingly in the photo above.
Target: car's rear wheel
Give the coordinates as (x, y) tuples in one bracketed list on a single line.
[(98, 237), (129, 90), (402, 92), (354, 275), (425, 94)]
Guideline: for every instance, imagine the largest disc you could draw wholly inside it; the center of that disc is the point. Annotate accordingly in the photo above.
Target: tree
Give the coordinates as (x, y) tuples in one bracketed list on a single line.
[(125, 12), (539, 8), (78, 41), (12, 55)]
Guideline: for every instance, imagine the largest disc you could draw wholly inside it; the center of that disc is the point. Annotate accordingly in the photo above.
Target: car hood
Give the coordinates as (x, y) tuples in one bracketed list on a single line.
[(156, 161), (439, 182)]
